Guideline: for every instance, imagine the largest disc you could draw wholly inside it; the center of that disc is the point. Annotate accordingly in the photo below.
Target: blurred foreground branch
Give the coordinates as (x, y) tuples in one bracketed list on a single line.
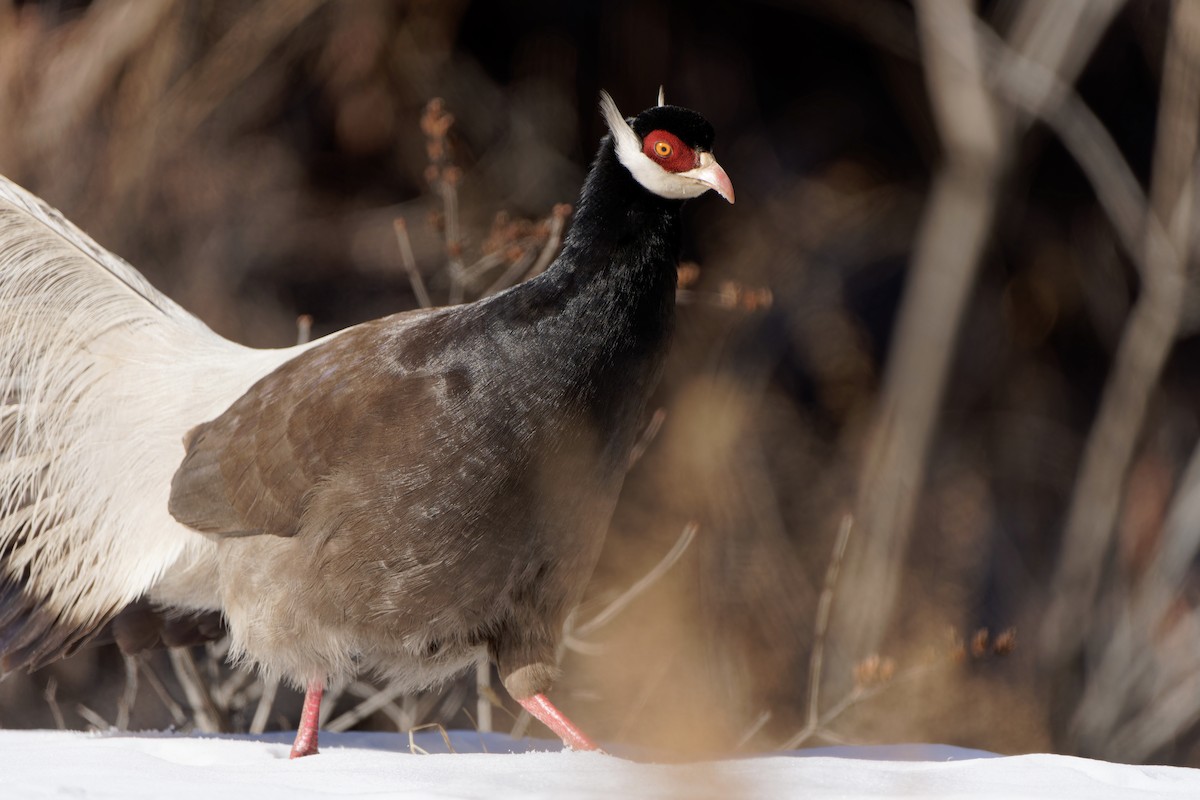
[(1144, 691), (978, 139)]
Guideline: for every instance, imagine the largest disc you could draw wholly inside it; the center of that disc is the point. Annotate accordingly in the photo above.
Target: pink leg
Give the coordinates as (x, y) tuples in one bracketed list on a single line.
[(540, 706), (310, 719)]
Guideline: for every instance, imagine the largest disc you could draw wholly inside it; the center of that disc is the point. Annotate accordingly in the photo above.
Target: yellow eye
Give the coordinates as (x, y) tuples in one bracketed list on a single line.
[(662, 149)]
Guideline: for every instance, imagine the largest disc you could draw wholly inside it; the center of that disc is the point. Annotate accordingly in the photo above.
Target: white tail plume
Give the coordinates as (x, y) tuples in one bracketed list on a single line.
[(101, 376)]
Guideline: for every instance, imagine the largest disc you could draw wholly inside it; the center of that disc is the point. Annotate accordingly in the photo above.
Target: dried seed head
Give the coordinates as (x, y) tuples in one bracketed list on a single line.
[(689, 273), (1005, 643), (873, 671), (979, 643)]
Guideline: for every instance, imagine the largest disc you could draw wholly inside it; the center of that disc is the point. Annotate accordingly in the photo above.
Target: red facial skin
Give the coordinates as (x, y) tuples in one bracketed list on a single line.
[(670, 153)]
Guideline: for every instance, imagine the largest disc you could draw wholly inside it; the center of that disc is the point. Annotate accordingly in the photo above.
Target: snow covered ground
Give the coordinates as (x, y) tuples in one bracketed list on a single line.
[(39, 764)]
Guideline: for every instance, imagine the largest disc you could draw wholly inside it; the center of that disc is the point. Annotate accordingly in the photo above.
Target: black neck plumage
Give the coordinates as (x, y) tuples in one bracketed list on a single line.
[(604, 310)]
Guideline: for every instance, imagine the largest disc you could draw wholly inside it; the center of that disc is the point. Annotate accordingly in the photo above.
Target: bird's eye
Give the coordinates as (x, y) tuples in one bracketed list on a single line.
[(662, 149)]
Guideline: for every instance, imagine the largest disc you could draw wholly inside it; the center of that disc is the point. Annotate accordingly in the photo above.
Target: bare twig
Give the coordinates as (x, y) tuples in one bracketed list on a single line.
[(204, 710), (1143, 349), (173, 708), (1040, 92), (977, 139), (230, 62), (304, 328), (410, 263), (486, 262), (415, 749), (648, 435), (610, 612), (454, 265), (532, 263), (262, 712), (225, 692), (950, 243), (510, 275), (366, 708), (821, 628), (51, 696), (483, 704), (757, 725), (558, 218), (129, 696), (661, 671), (95, 720), (819, 727), (329, 703)]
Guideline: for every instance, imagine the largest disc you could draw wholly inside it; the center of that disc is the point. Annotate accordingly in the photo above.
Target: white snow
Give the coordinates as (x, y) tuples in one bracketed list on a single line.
[(40, 764)]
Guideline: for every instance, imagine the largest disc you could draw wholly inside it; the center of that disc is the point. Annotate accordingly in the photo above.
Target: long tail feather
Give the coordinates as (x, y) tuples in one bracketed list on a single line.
[(101, 376)]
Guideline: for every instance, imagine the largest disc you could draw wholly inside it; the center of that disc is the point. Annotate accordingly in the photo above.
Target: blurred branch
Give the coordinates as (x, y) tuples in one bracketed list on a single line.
[(1142, 351), (368, 706), (51, 697), (817, 660), (410, 263), (1142, 692), (129, 696), (78, 76), (978, 139), (173, 708), (950, 242), (204, 710), (229, 63), (613, 609), (1040, 93), (262, 712)]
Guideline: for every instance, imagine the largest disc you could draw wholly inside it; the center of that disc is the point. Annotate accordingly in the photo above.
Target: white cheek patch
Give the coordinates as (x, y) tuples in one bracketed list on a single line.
[(671, 185)]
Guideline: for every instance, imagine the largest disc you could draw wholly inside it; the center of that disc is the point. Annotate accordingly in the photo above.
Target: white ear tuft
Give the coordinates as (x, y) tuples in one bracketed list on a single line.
[(662, 99), (628, 143), (612, 115)]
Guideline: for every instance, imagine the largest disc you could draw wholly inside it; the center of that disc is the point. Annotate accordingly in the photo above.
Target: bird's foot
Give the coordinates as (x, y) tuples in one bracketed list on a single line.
[(540, 707), (310, 720)]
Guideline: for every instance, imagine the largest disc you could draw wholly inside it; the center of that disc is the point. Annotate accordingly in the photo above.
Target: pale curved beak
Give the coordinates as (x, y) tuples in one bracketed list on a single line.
[(712, 175)]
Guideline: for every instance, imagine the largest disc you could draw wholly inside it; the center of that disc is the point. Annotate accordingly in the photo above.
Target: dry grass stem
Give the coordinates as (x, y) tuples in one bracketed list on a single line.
[(364, 709), (204, 711), (97, 722), (410, 264), (821, 627), (483, 703), (51, 697), (415, 749), (661, 670), (558, 219), (622, 601), (757, 725), (649, 433), (129, 695), (266, 700), (304, 328), (178, 716)]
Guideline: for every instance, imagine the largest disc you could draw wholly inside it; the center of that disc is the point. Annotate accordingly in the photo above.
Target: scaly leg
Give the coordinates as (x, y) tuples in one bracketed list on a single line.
[(540, 707), (310, 719)]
